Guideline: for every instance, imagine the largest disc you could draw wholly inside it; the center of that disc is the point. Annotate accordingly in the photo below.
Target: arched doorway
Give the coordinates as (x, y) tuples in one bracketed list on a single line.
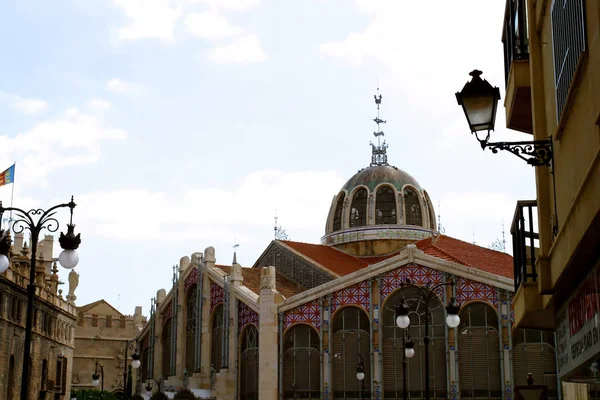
[(393, 347), (350, 343), (479, 353), (301, 363), (533, 351), (249, 364)]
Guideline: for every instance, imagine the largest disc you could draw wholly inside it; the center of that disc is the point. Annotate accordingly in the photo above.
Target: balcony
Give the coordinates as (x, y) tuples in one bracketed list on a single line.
[(515, 40), (528, 303)]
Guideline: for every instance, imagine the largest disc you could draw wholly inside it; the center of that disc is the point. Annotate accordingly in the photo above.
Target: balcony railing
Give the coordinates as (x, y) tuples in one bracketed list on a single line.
[(514, 35), (525, 236)]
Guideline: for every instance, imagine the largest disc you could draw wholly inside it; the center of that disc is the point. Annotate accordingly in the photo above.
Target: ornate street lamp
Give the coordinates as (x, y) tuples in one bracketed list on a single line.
[(96, 377), (360, 374), (403, 321), (479, 101), (409, 352), (35, 221), (135, 363)]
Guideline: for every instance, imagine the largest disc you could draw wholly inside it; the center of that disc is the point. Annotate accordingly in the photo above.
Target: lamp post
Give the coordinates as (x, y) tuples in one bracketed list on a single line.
[(135, 363), (360, 375), (35, 221), (149, 385), (403, 321), (96, 376), (479, 101), (409, 352)]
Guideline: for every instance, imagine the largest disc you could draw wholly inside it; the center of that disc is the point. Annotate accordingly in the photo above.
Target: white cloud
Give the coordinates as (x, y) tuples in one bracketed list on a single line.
[(68, 140), (30, 106), (210, 25), (99, 104), (244, 50), (230, 5), (212, 213), (120, 86), (149, 19)]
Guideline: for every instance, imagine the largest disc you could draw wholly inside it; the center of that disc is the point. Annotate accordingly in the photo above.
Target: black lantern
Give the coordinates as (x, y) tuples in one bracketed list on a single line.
[(479, 101), (452, 310), (401, 316)]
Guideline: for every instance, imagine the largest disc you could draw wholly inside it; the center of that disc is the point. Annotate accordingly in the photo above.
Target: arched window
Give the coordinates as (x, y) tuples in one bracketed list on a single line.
[(249, 364), (166, 349), (358, 211), (350, 340), (385, 206), (337, 215), (301, 363), (533, 351), (479, 353), (216, 327), (393, 347), (44, 374), (412, 207), (11, 377), (190, 329)]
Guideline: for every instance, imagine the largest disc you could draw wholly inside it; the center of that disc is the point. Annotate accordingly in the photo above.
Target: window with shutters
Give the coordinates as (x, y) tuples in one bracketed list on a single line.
[(412, 207), (166, 348), (358, 211), (301, 363), (569, 43), (337, 215), (216, 338), (393, 347), (350, 339), (479, 353), (385, 206), (190, 330), (533, 351), (249, 364)]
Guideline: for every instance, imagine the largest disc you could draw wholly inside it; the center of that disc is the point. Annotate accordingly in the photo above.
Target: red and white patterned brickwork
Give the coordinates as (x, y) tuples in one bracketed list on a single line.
[(468, 290), (246, 315), (417, 274), (354, 295), (309, 313), (192, 279), (217, 294)]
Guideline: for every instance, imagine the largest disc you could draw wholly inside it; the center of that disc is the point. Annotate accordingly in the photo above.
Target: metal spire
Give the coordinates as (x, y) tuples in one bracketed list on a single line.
[(379, 154), (235, 246), (280, 234)]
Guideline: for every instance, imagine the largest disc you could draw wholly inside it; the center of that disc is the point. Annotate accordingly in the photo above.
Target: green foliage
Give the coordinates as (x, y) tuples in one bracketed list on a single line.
[(184, 394), (159, 396), (94, 395)]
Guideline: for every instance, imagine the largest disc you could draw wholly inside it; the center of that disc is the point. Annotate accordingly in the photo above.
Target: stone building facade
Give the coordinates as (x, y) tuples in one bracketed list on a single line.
[(54, 322), (301, 320), (101, 335)]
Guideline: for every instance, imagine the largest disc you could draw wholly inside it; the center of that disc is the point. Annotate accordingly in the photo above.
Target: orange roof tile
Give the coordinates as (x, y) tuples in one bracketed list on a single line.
[(468, 254), (335, 260)]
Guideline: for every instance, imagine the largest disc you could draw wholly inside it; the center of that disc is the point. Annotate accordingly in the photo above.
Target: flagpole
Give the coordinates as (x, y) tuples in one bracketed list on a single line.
[(12, 195)]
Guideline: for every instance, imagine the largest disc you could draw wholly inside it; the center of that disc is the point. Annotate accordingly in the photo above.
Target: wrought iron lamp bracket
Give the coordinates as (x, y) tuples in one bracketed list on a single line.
[(535, 152)]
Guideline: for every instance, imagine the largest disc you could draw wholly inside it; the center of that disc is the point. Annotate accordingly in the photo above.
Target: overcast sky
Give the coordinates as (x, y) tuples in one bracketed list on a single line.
[(183, 124)]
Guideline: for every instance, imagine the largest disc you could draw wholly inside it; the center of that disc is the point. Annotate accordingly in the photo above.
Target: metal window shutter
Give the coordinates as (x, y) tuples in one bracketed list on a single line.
[(479, 363)]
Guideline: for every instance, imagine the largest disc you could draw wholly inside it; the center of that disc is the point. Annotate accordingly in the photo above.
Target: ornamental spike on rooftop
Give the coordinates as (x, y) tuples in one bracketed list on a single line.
[(379, 154)]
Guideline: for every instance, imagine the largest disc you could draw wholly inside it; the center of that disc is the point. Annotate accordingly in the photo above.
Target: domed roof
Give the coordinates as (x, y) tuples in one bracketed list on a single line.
[(373, 176)]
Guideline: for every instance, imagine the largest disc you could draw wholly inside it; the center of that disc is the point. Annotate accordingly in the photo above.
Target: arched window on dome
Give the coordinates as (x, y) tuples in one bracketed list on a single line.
[(385, 206), (533, 351), (337, 216), (479, 352), (358, 211), (412, 208)]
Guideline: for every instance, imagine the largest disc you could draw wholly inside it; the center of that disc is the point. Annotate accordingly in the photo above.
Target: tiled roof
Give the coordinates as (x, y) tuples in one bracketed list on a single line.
[(251, 278), (468, 254), (86, 307), (335, 260)]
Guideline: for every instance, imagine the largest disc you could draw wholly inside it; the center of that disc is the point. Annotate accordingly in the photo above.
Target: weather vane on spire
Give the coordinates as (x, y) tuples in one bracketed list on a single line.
[(379, 155)]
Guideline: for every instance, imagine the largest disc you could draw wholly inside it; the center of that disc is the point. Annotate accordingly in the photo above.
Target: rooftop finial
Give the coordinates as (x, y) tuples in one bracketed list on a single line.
[(379, 154), (235, 246), (280, 234)]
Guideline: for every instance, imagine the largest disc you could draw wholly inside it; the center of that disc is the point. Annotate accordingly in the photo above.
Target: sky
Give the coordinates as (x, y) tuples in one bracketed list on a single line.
[(183, 124)]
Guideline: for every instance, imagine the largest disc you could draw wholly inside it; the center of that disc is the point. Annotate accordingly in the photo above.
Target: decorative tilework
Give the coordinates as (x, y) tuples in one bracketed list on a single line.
[(417, 274), (192, 279), (508, 393), (468, 290), (453, 391), (167, 313), (217, 295), (309, 313), (246, 315), (354, 295)]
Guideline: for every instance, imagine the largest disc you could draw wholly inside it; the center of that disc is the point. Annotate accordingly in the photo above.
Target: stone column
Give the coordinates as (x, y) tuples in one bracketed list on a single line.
[(267, 336), (184, 263), (160, 298), (209, 264)]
